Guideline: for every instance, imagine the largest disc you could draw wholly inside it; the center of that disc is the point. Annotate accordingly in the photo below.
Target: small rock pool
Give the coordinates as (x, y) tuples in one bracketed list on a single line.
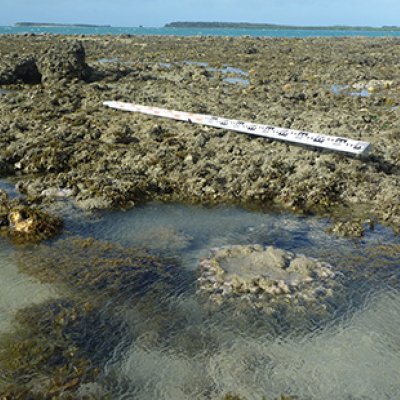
[(87, 328)]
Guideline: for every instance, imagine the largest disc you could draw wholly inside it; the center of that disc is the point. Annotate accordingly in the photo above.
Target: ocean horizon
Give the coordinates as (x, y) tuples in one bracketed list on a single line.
[(163, 31)]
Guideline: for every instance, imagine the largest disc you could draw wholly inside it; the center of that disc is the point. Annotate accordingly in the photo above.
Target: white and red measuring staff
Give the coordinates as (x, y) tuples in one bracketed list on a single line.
[(333, 143)]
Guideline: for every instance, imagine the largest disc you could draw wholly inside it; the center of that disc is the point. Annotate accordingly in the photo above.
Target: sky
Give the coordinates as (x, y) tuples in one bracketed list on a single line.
[(156, 13)]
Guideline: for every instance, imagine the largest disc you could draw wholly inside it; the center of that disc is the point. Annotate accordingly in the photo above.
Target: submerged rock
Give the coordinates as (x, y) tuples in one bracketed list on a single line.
[(232, 396), (352, 228), (163, 240), (56, 347), (89, 267), (268, 277)]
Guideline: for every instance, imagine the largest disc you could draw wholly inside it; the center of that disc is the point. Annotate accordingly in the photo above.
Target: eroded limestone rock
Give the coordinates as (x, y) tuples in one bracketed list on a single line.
[(23, 223), (64, 60), (15, 69)]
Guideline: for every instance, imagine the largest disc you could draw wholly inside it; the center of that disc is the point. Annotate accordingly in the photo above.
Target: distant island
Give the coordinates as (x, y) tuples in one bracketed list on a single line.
[(246, 25), (49, 24)]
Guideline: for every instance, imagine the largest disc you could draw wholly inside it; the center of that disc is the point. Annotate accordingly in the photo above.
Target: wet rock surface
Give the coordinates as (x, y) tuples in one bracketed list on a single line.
[(59, 136), (267, 277)]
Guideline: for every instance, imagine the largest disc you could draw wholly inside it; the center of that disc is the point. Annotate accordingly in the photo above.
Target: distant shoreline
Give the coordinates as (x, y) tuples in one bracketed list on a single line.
[(50, 24), (245, 25)]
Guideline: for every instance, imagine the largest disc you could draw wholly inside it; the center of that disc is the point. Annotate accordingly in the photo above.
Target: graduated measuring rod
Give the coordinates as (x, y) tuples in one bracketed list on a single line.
[(333, 143)]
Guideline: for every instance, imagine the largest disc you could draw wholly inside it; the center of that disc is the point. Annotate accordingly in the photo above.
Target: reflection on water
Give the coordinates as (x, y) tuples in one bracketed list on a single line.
[(108, 60), (231, 75), (240, 81), (358, 358), (9, 187), (339, 89), (179, 346)]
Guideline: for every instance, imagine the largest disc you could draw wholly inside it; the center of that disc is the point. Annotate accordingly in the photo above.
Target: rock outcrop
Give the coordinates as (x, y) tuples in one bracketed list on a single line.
[(15, 69), (23, 223), (64, 60)]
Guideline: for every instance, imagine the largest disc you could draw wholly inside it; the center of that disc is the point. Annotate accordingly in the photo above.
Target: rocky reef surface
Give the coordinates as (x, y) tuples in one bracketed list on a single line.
[(56, 137), (268, 278)]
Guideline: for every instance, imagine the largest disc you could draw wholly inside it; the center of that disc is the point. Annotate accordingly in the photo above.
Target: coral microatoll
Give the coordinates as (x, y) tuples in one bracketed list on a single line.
[(267, 277)]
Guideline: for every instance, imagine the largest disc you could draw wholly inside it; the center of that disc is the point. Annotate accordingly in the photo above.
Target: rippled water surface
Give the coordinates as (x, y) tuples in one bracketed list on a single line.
[(176, 345)]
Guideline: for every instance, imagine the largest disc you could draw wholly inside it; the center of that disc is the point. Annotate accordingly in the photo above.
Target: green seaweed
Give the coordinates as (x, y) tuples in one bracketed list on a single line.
[(87, 266), (56, 347)]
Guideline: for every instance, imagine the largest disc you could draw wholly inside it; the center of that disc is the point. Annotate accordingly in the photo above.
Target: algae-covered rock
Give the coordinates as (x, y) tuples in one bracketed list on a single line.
[(23, 223), (32, 225), (4, 208), (56, 347), (114, 135), (352, 228), (268, 277), (91, 267)]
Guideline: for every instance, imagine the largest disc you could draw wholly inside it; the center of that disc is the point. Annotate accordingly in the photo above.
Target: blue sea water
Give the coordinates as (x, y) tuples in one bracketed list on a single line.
[(194, 32)]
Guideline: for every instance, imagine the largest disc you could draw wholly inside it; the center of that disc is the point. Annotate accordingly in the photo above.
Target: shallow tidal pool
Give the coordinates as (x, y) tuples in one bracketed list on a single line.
[(164, 340)]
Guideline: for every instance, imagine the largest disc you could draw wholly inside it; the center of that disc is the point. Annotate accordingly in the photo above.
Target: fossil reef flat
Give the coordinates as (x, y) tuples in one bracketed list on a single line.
[(56, 138)]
